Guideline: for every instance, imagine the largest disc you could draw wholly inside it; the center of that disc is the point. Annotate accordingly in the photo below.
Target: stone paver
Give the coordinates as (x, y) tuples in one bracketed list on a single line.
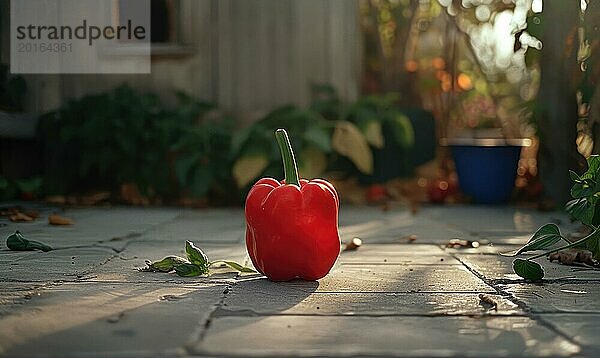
[(498, 267), (56, 265), (84, 318), (122, 267), (389, 336), (568, 297), (401, 278), (413, 254), (262, 297), (390, 297), (582, 328)]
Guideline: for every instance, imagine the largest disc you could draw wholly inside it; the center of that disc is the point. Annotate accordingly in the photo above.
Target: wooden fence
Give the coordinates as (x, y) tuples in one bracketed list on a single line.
[(249, 56)]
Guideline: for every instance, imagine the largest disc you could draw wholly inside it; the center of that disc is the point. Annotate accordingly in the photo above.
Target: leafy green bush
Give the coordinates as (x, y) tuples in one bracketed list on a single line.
[(102, 141), (202, 150), (363, 128)]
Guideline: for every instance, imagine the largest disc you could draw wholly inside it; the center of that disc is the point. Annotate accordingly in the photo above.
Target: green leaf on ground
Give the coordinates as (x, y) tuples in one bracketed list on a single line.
[(17, 242), (196, 255), (190, 270), (167, 264), (529, 270)]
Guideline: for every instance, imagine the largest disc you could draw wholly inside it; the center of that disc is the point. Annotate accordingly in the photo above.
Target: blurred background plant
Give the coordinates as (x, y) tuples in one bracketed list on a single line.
[(13, 89), (472, 67), (132, 141)]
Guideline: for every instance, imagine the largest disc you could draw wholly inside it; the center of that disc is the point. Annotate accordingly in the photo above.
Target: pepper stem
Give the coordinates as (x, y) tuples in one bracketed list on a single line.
[(287, 155)]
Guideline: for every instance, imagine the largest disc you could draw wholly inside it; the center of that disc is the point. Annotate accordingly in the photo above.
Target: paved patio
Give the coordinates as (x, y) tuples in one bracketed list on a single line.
[(391, 297)]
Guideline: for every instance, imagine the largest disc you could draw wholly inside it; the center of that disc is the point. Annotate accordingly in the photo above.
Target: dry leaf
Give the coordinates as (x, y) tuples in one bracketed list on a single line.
[(131, 194), (353, 244), (20, 217), (313, 162), (33, 214), (9, 211), (55, 219), (489, 300), (95, 198), (460, 243), (249, 167), (348, 141), (573, 256), (410, 238)]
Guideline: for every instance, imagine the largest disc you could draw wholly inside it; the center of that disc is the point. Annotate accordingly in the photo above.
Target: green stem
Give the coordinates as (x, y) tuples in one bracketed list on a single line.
[(576, 243), (287, 155), (216, 262)]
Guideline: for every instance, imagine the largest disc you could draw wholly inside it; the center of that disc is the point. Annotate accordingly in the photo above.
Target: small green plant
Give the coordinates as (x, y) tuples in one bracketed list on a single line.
[(585, 208), (196, 263)]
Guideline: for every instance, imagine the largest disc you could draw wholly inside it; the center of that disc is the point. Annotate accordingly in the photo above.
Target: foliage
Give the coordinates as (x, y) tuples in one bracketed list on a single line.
[(583, 208), (258, 154), (202, 162), (361, 125), (17, 242), (374, 114), (196, 263), (10, 188), (12, 90), (321, 134), (105, 140)]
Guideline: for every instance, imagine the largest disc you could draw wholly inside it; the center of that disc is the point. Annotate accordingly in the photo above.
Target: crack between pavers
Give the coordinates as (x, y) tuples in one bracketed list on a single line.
[(559, 280), (189, 347), (128, 239), (520, 304), (221, 312), (91, 280)]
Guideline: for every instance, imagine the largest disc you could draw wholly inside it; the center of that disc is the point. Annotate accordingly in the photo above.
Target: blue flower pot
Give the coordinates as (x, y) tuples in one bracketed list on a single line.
[(487, 168)]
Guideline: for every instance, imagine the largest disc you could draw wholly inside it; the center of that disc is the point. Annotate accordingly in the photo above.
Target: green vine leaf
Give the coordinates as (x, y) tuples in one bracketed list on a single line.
[(593, 170), (528, 270), (236, 266), (582, 209), (593, 244), (574, 176), (543, 238)]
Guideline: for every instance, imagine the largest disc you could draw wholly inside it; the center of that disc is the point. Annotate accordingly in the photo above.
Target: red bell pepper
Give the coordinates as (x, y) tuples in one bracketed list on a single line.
[(292, 225)]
